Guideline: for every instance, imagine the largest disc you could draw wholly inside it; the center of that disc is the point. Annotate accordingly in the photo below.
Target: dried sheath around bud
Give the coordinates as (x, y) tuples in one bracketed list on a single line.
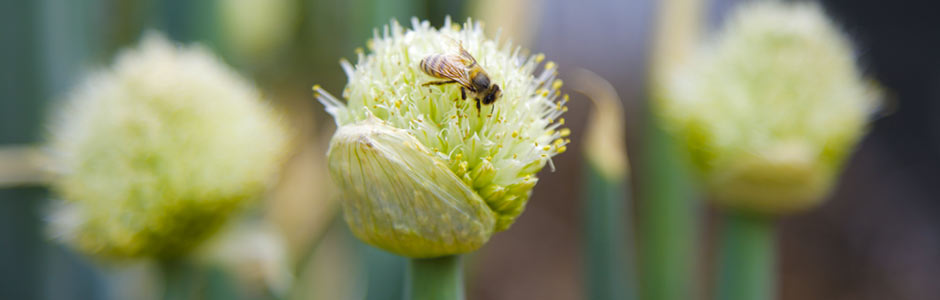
[(399, 197)]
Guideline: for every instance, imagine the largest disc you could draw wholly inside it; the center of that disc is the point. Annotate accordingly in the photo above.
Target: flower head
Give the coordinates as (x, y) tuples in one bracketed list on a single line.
[(154, 154), (423, 173), (254, 29), (772, 108)]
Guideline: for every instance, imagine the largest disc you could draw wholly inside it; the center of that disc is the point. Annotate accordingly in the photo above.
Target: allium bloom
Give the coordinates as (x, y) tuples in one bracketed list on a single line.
[(157, 152), (253, 29), (254, 252), (772, 108), (422, 173)]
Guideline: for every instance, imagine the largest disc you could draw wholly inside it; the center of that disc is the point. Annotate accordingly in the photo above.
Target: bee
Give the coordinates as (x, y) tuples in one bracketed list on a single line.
[(463, 69)]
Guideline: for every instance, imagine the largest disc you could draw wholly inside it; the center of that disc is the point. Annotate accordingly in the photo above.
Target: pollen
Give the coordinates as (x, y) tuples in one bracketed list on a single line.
[(539, 57)]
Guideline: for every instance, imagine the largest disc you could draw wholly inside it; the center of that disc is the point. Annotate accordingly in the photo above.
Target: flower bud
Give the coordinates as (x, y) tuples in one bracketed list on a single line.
[(423, 172), (770, 111), (398, 196)]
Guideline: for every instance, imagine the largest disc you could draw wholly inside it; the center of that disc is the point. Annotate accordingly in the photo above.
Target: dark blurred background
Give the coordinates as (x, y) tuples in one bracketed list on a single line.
[(878, 237)]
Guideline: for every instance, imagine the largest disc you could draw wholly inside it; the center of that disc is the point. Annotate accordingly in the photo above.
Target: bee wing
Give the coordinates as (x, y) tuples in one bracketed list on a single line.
[(454, 68), (465, 56)]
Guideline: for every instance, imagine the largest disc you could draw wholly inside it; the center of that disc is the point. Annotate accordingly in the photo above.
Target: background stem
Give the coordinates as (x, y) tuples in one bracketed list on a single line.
[(747, 258), (669, 218), (608, 237), (438, 278), (667, 205), (179, 280)]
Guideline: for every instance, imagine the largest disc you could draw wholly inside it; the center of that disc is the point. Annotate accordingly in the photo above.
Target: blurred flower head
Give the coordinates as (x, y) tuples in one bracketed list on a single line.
[(772, 108), (253, 29), (604, 145), (155, 153), (255, 252), (422, 173)]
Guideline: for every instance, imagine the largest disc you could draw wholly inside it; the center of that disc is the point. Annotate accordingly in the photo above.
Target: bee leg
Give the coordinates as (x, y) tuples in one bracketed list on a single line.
[(478, 107), (463, 93), (438, 82)]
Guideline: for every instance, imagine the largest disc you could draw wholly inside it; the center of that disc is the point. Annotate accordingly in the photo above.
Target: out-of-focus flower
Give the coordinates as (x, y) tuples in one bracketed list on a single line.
[(772, 108), (154, 154), (256, 253), (422, 173), (253, 29), (516, 20), (604, 145)]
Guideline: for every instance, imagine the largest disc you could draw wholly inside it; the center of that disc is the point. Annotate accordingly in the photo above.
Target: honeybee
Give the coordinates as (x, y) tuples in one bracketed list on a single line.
[(463, 69)]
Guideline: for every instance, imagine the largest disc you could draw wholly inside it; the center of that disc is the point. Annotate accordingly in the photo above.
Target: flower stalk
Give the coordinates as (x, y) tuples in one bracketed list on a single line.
[(439, 278), (747, 261), (180, 279), (608, 227), (667, 197)]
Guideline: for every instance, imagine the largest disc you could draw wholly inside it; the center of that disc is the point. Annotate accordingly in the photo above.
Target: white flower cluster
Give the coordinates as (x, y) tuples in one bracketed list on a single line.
[(771, 109), (154, 154), (495, 153)]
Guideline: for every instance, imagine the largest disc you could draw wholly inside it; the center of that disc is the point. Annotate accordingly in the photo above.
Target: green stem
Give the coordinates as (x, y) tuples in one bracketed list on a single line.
[(747, 258), (179, 280), (668, 208), (608, 237), (438, 278), (383, 272), (669, 218)]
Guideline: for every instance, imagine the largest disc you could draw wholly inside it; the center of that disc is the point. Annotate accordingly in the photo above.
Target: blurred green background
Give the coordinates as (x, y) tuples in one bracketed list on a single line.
[(878, 237)]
